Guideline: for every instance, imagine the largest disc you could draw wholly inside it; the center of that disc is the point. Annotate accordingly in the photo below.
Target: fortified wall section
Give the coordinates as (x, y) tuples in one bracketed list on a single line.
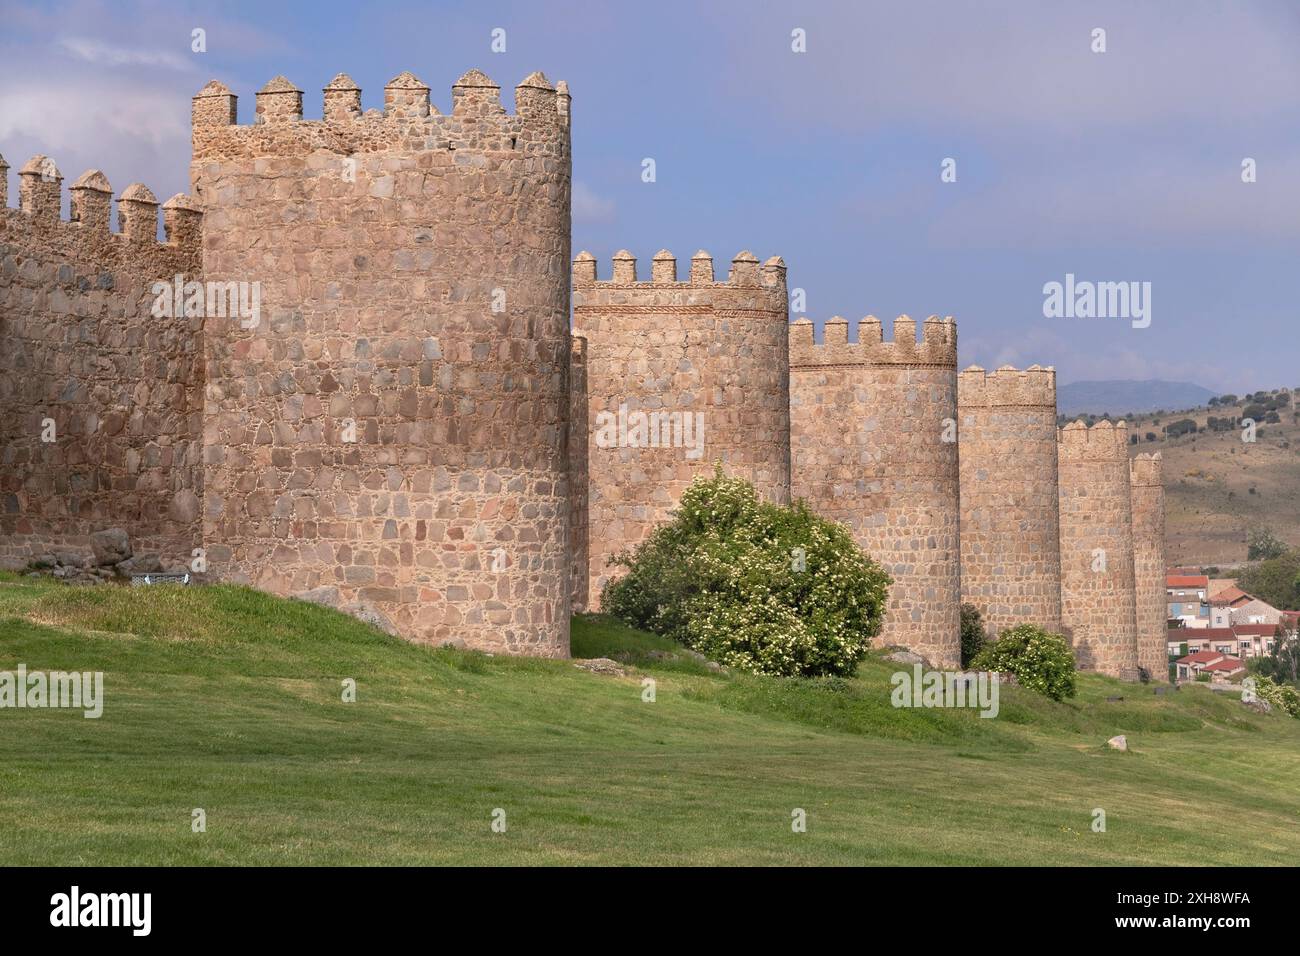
[(1152, 610), (1010, 517), (680, 375), (1098, 601), (100, 398), (874, 445), (579, 443), (391, 435)]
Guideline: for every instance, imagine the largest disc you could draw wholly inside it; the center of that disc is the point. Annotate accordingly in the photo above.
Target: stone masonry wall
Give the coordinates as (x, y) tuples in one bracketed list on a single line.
[(695, 347), (1152, 611), (1098, 603), (578, 481), (873, 445), (392, 435), (1010, 527), (79, 348)]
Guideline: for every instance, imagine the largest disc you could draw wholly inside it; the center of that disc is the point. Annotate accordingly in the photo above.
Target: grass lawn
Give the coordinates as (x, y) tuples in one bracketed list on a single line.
[(225, 699)]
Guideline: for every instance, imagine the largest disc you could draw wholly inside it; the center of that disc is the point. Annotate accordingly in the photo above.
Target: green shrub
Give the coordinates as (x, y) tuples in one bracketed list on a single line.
[(1041, 661), (973, 637), (756, 586), (1283, 697)]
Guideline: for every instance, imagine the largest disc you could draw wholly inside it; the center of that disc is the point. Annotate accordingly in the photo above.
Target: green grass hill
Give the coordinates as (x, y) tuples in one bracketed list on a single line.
[(229, 700)]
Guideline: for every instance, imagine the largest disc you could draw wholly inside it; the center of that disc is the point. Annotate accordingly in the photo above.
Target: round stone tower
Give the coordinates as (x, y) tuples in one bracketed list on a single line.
[(1149, 565), (680, 375), (1010, 527), (385, 414), (873, 444), (1098, 605)]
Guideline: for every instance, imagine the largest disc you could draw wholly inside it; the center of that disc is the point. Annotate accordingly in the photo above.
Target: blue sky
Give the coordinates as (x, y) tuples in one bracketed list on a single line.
[(1115, 166)]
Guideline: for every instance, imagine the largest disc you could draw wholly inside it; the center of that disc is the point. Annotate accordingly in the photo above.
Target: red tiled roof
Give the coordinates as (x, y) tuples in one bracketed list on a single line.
[(1186, 581), (1265, 630), (1209, 633), (1200, 657), (1227, 665), (1231, 596)]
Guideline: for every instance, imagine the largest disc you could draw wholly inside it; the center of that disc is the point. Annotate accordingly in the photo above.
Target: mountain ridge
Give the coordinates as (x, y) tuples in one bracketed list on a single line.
[(1122, 396)]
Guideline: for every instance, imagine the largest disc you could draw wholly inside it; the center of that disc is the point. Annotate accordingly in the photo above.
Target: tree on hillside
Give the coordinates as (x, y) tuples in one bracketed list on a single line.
[(1276, 580), (1263, 545), (1283, 662)]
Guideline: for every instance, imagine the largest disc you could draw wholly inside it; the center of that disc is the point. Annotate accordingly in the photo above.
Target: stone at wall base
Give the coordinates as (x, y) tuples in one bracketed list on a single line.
[(110, 546), (140, 564), (372, 616), (601, 665), (907, 657), (326, 595)]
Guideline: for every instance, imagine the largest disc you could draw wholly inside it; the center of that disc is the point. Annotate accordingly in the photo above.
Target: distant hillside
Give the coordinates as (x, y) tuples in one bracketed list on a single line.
[(1218, 487), (1121, 397)]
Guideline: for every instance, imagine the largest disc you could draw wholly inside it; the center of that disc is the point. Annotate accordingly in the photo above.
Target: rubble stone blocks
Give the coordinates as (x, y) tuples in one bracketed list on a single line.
[(579, 440), (1149, 564), (1010, 517), (1098, 598), (84, 363), (873, 445), (694, 346), (395, 426)]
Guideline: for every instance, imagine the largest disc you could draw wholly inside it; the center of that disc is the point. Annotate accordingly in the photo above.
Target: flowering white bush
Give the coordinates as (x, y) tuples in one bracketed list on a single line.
[(753, 585), (1282, 696), (1040, 660)]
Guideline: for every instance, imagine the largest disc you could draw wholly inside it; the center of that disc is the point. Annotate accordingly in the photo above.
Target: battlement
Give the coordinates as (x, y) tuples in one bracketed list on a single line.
[(1034, 387), (938, 345), (477, 120), (40, 200), (1145, 470), (745, 272), (1104, 441)]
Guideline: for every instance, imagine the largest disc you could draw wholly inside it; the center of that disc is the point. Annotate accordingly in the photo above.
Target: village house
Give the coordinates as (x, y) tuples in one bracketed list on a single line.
[(1219, 640), (1255, 640), (1187, 595), (1224, 602), (1220, 667)]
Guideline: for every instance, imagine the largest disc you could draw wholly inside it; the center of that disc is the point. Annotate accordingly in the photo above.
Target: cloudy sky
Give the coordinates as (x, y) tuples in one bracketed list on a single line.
[(1117, 166)]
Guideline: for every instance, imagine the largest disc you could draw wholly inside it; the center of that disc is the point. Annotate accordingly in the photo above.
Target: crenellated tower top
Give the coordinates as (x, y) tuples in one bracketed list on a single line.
[(1033, 387), (746, 272), (1104, 441), (477, 120), (937, 347)]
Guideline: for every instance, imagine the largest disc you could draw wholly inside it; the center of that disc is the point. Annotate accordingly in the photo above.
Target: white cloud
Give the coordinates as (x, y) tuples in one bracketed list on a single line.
[(1080, 357), (54, 114), (100, 53), (1188, 199), (589, 208)]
